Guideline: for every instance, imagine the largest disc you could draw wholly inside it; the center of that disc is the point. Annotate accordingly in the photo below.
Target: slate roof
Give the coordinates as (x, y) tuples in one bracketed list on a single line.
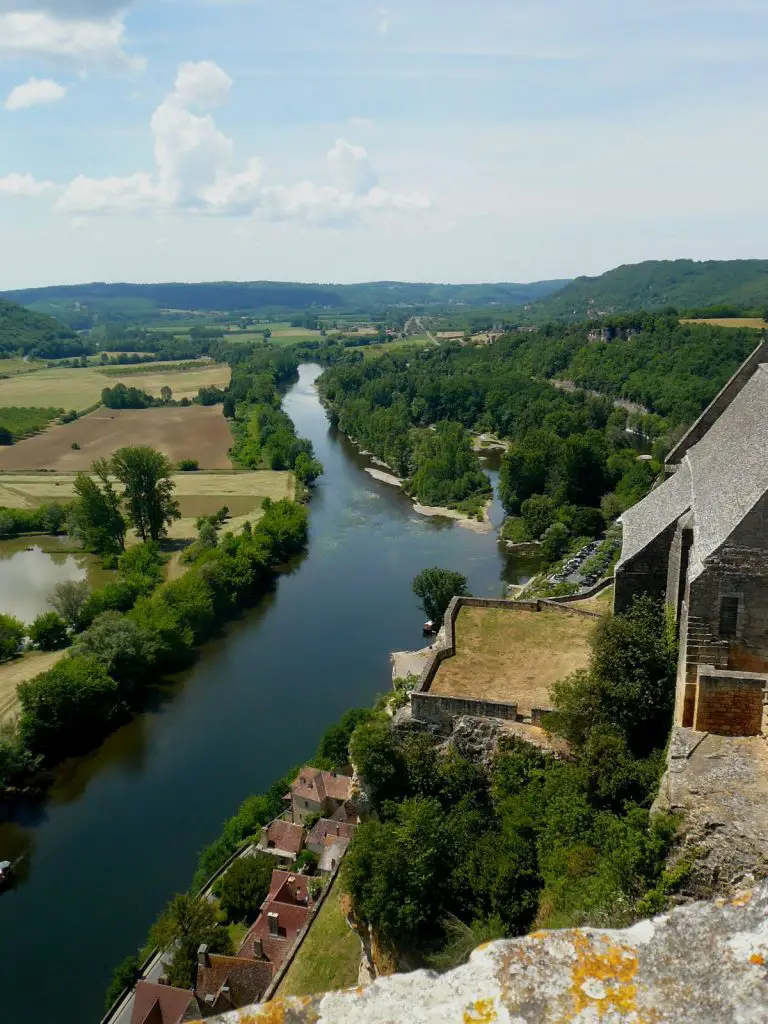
[(648, 518), (720, 479), (729, 466), (326, 830), (160, 1004)]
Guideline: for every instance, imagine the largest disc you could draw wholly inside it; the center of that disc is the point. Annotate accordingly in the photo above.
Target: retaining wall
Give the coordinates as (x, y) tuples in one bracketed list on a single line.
[(439, 709), (729, 703)]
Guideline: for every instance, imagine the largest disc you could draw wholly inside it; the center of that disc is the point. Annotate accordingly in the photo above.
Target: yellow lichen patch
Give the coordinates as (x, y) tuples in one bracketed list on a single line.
[(741, 899), (274, 1012), (482, 1011), (602, 979), (757, 959)]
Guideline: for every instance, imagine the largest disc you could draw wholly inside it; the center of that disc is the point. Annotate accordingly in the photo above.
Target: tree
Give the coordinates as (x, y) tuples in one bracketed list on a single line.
[(126, 649), (166, 394), (64, 710), (333, 749), (377, 757), (242, 888), (306, 468), (147, 477), (436, 587), (68, 598), (124, 977), (48, 632), (554, 541), (539, 512), (95, 516), (186, 924), (11, 634)]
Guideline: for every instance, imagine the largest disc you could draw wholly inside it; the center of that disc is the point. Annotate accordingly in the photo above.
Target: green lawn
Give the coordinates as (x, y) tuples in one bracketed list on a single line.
[(371, 351), (237, 933), (329, 958)]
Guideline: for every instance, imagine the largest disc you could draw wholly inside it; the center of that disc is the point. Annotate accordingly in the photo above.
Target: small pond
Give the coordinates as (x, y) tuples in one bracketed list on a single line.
[(30, 567)]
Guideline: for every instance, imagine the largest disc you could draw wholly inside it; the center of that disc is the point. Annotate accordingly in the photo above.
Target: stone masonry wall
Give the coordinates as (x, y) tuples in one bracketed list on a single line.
[(438, 709), (729, 703), (646, 573)]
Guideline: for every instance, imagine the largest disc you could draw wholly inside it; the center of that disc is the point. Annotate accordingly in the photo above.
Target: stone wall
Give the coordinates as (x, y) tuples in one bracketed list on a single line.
[(646, 573), (729, 703), (700, 964), (439, 709)]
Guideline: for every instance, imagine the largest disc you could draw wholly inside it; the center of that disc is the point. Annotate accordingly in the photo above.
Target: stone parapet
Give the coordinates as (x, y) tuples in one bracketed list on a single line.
[(701, 963)]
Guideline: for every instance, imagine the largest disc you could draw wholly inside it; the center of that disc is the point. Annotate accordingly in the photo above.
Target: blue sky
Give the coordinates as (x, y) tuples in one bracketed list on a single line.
[(340, 140)]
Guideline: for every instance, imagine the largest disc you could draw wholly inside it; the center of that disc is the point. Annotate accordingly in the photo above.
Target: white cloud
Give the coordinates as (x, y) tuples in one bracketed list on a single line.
[(34, 92), (195, 170), (79, 41), (24, 186)]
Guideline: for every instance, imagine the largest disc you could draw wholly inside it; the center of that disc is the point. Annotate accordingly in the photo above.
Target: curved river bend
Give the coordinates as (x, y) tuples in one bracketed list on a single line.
[(120, 831)]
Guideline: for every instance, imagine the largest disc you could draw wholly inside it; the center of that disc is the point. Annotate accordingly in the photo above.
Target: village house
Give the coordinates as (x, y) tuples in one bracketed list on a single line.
[(163, 1004), (700, 541), (228, 982), (282, 916), (283, 840), (314, 792), (329, 839)]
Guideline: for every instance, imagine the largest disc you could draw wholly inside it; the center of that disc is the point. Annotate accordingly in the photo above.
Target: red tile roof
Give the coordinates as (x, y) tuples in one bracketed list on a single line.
[(247, 981), (312, 784), (160, 1004), (282, 835)]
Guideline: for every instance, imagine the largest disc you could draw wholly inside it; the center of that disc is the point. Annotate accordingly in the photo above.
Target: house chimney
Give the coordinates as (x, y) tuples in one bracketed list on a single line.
[(258, 949), (273, 920), (338, 830), (163, 979), (203, 960)]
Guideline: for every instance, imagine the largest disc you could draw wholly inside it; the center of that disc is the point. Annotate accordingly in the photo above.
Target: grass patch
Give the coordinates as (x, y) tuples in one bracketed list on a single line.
[(237, 932), (513, 655), (755, 322), (381, 348), (23, 421), (19, 671), (329, 958)]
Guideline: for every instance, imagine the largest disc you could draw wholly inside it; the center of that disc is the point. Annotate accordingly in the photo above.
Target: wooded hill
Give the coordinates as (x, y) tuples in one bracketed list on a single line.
[(135, 301), (658, 284), (35, 334)]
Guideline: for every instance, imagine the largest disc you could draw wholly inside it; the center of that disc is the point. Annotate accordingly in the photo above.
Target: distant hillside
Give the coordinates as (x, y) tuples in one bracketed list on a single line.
[(76, 304), (656, 284), (22, 330)]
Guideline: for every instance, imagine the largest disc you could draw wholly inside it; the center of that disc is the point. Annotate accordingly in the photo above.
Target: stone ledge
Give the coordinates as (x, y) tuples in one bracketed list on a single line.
[(699, 964)]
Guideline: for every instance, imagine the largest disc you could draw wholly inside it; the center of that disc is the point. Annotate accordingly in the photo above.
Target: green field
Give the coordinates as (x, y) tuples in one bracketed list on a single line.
[(23, 421), (370, 351), (282, 334), (329, 957), (10, 367)]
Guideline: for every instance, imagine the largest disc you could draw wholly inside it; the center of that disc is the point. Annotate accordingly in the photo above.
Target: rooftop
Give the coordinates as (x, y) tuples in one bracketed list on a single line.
[(313, 784), (282, 836), (232, 981), (500, 655), (160, 1004)]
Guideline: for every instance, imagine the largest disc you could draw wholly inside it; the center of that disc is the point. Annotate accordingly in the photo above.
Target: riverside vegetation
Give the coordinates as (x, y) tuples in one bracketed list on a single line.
[(137, 628)]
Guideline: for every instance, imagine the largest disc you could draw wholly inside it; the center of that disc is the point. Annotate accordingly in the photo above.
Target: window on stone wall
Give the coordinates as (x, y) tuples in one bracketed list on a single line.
[(729, 615)]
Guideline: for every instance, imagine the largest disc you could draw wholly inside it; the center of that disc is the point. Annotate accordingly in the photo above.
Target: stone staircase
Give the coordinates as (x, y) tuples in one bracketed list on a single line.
[(702, 647)]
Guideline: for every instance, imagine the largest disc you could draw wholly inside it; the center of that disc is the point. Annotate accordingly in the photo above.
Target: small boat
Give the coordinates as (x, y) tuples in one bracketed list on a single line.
[(429, 627), (6, 873)]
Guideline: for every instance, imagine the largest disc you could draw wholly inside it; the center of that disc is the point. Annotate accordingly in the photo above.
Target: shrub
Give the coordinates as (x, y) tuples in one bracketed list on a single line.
[(188, 465), (75, 446), (241, 890), (48, 631), (124, 977), (11, 635)]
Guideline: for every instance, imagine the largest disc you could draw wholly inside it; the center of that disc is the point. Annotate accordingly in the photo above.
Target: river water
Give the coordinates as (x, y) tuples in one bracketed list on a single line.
[(120, 830)]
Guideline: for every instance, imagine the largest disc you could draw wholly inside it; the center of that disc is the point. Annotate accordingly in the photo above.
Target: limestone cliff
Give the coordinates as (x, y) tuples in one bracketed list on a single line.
[(700, 964)]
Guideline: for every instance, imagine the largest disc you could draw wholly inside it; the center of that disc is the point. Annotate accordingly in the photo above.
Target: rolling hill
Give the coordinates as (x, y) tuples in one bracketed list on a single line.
[(30, 333), (656, 284)]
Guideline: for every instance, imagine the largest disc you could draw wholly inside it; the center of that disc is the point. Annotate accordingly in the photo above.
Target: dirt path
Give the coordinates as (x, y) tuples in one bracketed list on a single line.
[(18, 671)]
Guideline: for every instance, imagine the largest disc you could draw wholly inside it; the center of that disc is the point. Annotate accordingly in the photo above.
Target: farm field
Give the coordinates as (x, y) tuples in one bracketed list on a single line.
[(371, 351), (18, 671), (195, 432), (282, 334), (198, 494), (499, 655), (755, 322), (11, 367), (80, 388)]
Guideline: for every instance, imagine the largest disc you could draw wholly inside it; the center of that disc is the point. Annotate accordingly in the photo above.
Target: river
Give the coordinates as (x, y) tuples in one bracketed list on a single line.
[(120, 830)]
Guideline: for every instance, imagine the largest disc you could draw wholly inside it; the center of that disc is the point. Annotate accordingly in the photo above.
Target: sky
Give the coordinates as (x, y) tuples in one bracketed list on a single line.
[(341, 140)]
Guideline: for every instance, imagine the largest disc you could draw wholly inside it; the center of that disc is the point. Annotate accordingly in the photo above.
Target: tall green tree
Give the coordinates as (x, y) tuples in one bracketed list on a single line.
[(96, 517), (147, 476), (186, 924), (11, 635), (436, 587)]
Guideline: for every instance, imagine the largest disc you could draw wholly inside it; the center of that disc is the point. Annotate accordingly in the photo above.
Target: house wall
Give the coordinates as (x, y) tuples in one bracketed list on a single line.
[(646, 573)]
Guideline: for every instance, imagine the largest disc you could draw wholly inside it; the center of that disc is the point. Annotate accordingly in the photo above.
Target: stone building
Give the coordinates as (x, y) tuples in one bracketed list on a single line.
[(700, 540)]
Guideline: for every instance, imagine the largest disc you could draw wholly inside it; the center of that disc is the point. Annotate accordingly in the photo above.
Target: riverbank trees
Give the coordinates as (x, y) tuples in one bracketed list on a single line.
[(436, 588), (529, 841)]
